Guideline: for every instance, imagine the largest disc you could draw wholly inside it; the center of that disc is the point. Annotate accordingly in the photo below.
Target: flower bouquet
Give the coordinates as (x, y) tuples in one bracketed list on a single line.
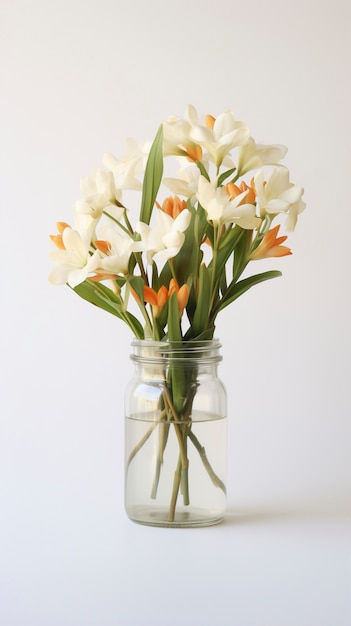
[(172, 261)]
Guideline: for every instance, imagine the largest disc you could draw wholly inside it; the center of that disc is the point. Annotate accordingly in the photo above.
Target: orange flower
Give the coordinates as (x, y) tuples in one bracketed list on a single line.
[(172, 206), (158, 299), (182, 294), (270, 246), (234, 190)]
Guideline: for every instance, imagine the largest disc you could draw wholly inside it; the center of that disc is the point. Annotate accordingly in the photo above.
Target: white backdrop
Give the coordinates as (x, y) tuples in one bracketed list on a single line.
[(77, 78)]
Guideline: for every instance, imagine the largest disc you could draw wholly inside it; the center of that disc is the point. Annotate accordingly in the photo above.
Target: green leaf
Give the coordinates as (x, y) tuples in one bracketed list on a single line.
[(225, 175), (235, 290), (155, 281), (103, 297), (89, 291), (152, 177), (203, 170), (200, 320), (137, 284), (174, 331), (189, 257), (227, 245), (241, 253), (204, 336)]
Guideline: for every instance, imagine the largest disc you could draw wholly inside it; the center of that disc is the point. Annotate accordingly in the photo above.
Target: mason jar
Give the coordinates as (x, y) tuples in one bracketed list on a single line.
[(175, 435)]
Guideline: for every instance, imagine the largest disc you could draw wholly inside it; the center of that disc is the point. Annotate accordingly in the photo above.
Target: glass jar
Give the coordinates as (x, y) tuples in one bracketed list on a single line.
[(175, 435)]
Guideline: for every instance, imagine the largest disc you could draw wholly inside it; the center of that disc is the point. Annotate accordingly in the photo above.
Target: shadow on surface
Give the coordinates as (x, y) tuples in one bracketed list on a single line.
[(327, 510)]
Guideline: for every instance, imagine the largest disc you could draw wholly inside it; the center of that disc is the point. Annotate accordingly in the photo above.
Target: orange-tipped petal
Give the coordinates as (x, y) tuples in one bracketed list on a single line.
[(183, 297), (270, 246), (251, 196), (103, 246), (162, 296), (173, 287), (150, 296), (61, 226), (178, 206), (194, 152), (167, 206), (232, 190), (210, 121), (173, 206), (278, 251), (57, 240)]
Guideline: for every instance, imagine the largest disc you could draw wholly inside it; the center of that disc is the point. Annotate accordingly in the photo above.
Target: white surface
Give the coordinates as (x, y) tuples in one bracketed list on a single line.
[(77, 79)]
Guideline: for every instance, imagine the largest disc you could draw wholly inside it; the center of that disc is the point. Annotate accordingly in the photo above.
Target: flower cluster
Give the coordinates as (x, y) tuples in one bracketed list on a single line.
[(180, 258)]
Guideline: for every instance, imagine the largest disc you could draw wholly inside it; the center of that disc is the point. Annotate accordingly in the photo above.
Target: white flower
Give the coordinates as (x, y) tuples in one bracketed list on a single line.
[(279, 195), (127, 168), (74, 263), (176, 133), (99, 189), (99, 194), (163, 240), (225, 134), (253, 155), (221, 209), (186, 183), (119, 248)]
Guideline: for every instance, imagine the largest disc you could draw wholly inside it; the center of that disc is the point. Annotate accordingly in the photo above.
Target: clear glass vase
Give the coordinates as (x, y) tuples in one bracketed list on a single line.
[(175, 435)]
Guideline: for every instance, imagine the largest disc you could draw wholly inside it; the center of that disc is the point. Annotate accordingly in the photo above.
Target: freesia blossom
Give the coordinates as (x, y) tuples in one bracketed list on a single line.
[(186, 182), (99, 189), (270, 246), (253, 155), (74, 261), (182, 294), (132, 164), (163, 240), (116, 248), (279, 195), (177, 138), (99, 194), (221, 135), (158, 299), (221, 209)]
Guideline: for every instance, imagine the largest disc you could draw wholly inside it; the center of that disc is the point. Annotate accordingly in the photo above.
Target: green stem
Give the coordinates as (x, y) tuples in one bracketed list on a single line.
[(144, 439), (214, 280), (175, 491), (146, 318), (202, 452), (181, 434), (163, 438), (117, 222)]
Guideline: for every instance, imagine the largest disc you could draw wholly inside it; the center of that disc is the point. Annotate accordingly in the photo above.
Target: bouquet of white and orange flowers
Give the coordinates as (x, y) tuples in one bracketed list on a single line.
[(170, 263), (182, 256)]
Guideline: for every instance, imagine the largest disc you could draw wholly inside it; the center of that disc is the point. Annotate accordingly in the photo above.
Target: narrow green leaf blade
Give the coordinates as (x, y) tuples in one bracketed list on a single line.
[(174, 331), (152, 177), (238, 289), (225, 175), (201, 315), (104, 298)]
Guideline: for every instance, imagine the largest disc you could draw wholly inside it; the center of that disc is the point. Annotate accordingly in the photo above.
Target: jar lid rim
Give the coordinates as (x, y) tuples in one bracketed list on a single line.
[(150, 350)]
